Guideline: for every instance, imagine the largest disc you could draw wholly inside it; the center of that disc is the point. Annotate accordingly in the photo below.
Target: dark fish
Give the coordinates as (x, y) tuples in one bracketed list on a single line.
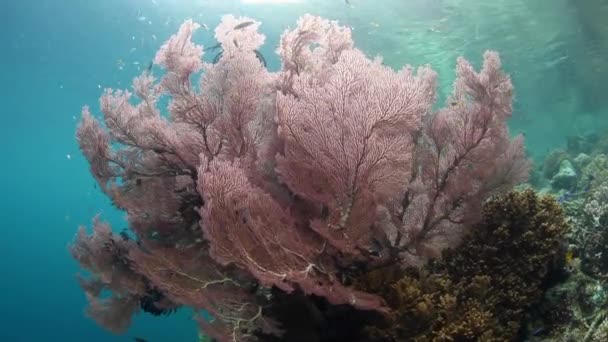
[(454, 103), (260, 57), (243, 25), (347, 2), (214, 47), (376, 248), (139, 339), (587, 188), (235, 43), (218, 57), (569, 195), (149, 67), (258, 54), (124, 234)]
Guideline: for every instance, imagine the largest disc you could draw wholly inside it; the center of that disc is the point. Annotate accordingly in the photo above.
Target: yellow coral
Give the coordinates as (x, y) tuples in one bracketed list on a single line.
[(479, 291)]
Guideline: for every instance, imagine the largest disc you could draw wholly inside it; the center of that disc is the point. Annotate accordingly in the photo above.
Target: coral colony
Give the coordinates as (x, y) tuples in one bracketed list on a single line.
[(253, 191)]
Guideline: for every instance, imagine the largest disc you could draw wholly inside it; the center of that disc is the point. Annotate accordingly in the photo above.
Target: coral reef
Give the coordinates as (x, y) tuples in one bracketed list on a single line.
[(553, 161), (479, 291), (570, 308), (574, 309), (588, 218), (566, 177), (569, 169), (252, 191)]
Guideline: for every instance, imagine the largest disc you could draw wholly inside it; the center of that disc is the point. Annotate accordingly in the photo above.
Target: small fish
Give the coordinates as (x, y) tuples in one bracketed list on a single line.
[(566, 197), (124, 234), (149, 67), (569, 257), (154, 36), (68, 156), (243, 25), (204, 26), (139, 339), (375, 249), (347, 2), (120, 64), (586, 188), (538, 331), (214, 47), (142, 18), (235, 43)]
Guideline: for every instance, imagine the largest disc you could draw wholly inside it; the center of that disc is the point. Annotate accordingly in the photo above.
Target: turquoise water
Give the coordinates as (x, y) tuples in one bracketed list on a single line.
[(58, 55)]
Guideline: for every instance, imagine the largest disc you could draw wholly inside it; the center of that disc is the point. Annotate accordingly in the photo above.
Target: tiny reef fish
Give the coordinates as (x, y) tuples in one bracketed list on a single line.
[(243, 25)]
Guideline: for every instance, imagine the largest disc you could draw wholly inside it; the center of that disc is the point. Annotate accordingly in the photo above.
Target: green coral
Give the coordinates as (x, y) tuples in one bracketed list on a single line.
[(596, 171), (481, 290)]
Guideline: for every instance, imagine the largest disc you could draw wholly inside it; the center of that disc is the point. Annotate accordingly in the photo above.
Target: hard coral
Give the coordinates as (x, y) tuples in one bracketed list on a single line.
[(482, 289), (553, 161)]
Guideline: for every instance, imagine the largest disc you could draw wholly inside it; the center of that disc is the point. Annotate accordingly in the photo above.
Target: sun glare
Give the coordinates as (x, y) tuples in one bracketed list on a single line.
[(271, 1)]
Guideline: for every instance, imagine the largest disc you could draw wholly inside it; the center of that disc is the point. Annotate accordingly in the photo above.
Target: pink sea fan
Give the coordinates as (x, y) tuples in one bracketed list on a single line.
[(288, 180), (179, 54), (113, 313), (314, 45), (248, 228), (105, 256), (240, 33), (189, 276), (463, 156), (347, 142)]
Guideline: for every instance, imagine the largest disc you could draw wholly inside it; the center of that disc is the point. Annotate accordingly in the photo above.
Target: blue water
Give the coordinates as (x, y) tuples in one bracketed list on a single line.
[(57, 55)]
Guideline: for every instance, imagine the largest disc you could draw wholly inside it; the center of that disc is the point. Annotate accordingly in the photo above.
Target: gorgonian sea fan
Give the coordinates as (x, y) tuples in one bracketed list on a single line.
[(259, 180)]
